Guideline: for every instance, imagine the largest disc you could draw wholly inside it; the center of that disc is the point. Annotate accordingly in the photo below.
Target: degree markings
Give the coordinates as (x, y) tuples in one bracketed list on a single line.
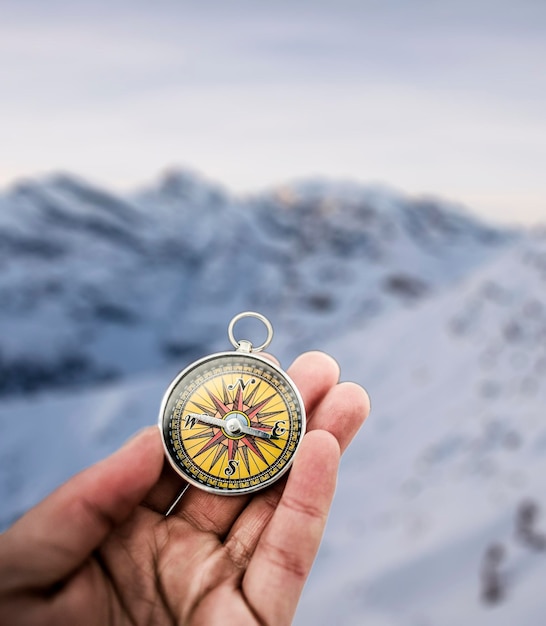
[(214, 379)]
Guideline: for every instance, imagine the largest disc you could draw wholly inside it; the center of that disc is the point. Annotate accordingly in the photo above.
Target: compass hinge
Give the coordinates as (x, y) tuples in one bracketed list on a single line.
[(244, 346)]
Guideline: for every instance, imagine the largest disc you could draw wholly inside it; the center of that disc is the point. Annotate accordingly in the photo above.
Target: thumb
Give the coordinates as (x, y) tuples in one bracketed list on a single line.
[(56, 536)]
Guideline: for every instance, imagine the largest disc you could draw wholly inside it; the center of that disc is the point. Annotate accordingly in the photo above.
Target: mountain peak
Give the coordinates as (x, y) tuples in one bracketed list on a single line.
[(123, 284), (182, 185)]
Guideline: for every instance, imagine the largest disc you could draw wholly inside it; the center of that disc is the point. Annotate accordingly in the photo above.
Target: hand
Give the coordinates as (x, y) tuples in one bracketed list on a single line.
[(100, 550)]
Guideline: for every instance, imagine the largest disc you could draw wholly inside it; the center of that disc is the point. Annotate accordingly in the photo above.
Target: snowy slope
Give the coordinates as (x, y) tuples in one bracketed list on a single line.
[(51, 436), (455, 444), (95, 287), (456, 441)]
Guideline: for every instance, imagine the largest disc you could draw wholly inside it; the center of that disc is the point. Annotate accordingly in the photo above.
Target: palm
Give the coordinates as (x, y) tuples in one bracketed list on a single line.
[(228, 560), (152, 572), (171, 571)]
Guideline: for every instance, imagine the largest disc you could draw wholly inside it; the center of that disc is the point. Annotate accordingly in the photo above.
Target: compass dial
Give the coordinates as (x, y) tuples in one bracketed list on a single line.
[(231, 423)]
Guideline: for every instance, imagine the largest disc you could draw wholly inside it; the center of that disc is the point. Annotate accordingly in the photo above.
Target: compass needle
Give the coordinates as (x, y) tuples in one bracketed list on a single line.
[(256, 432), (208, 419)]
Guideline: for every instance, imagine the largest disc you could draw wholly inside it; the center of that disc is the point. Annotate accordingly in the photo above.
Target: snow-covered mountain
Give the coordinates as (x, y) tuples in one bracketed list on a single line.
[(452, 456), (441, 318), (95, 286)]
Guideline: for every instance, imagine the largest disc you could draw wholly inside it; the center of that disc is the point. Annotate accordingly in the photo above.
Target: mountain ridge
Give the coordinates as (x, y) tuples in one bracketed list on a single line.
[(97, 285)]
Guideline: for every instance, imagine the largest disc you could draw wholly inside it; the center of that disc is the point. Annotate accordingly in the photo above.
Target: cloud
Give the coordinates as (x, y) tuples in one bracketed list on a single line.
[(436, 95)]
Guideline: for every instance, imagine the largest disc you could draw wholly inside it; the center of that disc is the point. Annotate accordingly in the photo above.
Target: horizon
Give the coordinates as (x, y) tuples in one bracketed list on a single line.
[(442, 100), (280, 186)]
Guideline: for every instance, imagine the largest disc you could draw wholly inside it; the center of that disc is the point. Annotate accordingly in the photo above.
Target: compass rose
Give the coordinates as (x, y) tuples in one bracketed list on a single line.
[(236, 423)]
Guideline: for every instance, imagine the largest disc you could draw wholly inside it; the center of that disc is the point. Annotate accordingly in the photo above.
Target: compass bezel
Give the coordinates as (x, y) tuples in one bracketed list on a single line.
[(163, 418)]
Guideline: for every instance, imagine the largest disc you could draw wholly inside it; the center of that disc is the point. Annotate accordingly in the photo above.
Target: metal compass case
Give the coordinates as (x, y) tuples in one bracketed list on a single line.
[(231, 422)]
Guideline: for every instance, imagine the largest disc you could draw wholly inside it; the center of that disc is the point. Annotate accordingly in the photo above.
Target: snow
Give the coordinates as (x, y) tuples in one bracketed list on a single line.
[(127, 284), (444, 461), (456, 439)]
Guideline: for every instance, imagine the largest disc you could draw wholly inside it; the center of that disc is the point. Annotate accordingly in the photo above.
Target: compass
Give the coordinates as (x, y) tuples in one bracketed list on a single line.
[(232, 422)]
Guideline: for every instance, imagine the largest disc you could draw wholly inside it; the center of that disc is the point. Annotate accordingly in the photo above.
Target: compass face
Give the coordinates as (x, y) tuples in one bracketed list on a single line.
[(231, 423)]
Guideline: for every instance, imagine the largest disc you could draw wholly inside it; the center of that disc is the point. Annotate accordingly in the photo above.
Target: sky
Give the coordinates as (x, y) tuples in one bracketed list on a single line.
[(443, 98)]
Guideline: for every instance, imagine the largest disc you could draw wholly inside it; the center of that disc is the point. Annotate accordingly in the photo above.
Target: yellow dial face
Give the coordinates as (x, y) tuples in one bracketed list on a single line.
[(231, 423)]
